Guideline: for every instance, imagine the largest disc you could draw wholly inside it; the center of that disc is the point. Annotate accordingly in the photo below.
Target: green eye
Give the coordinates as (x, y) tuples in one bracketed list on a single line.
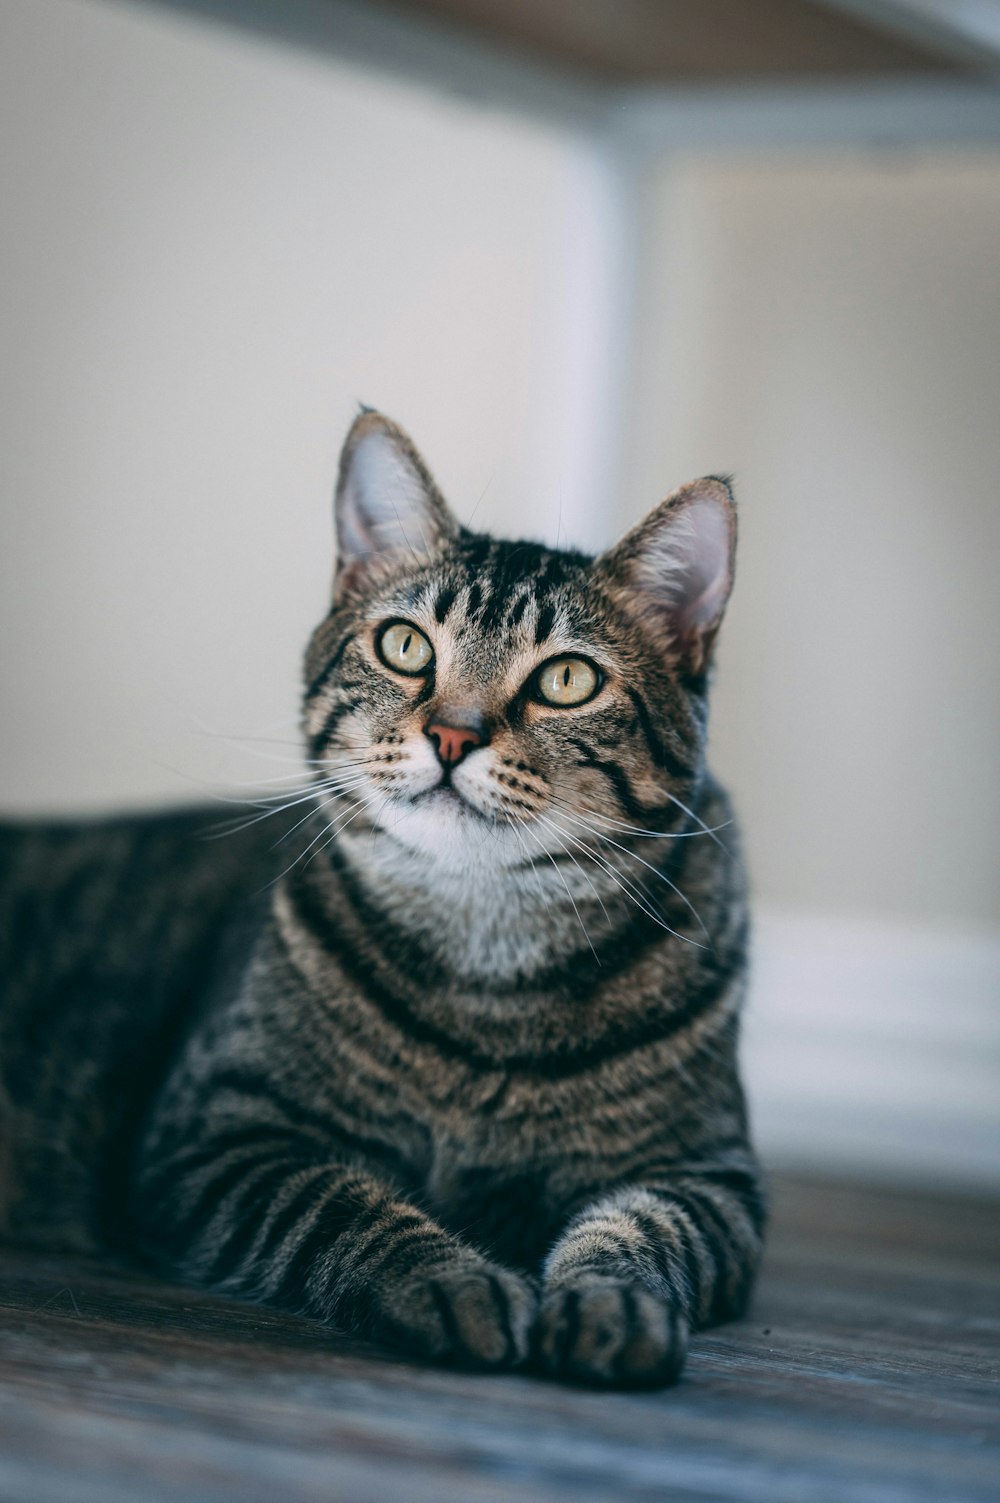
[(405, 649), (567, 681)]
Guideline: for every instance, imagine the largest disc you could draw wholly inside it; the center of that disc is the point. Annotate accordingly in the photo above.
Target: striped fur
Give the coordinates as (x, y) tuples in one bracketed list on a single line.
[(465, 1078)]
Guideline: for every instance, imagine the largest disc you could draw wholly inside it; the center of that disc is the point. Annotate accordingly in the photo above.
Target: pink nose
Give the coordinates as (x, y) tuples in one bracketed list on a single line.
[(452, 742)]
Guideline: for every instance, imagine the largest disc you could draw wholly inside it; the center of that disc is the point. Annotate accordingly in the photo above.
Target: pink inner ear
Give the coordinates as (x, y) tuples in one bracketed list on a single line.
[(699, 582)]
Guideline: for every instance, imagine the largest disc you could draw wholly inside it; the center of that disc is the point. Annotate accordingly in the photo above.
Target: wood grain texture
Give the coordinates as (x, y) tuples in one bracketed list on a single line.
[(868, 1372)]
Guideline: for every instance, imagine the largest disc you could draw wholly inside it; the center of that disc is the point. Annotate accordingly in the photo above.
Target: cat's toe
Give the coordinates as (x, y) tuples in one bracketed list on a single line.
[(610, 1332), (479, 1315)]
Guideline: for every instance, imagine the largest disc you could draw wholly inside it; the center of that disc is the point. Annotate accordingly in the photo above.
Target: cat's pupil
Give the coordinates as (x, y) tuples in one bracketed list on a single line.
[(406, 645), (566, 675)]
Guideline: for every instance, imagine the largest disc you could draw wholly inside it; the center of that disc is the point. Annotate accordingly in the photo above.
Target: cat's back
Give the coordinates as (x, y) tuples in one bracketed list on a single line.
[(110, 931), (94, 900)]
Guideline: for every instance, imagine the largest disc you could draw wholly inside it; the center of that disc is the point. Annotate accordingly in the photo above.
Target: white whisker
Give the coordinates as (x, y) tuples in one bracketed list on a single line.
[(356, 806), (637, 830), (584, 824), (584, 874), (309, 794), (703, 827), (320, 803), (627, 886), (337, 829), (565, 884)]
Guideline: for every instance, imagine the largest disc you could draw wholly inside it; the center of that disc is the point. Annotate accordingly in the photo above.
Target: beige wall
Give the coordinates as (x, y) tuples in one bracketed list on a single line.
[(211, 248), (829, 330)]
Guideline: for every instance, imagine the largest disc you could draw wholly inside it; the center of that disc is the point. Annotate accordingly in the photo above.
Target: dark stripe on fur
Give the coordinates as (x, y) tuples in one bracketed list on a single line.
[(449, 1324), (444, 603), (555, 1065), (246, 1219), (347, 1207), (404, 1236), (196, 1213), (518, 609), (319, 742), (502, 1306), (324, 676), (741, 1184), (571, 1325), (333, 1135), (186, 1157), (690, 1296), (546, 621), (616, 777), (661, 754), (718, 1238), (288, 1217)]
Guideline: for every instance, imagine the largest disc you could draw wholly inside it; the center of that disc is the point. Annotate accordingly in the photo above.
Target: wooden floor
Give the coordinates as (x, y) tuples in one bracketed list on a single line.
[(869, 1370)]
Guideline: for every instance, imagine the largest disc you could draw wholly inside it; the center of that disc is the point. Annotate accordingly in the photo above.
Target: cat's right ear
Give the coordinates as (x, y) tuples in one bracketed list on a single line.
[(673, 572), (389, 511)]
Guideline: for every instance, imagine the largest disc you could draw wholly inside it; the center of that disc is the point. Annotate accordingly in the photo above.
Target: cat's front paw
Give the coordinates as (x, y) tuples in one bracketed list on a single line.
[(608, 1331), (473, 1313)]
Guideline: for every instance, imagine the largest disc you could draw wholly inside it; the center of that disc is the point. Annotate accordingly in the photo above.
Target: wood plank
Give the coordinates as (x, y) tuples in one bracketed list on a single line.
[(688, 41), (868, 1372)]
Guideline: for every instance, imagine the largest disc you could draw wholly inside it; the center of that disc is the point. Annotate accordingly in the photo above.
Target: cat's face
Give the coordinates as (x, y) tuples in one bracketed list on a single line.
[(483, 700)]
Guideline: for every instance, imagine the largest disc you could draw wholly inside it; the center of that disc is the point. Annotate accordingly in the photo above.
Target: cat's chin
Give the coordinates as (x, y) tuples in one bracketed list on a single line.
[(446, 795), (441, 823)]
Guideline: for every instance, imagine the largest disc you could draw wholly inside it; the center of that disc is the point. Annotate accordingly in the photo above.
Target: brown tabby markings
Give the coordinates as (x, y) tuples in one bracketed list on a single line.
[(465, 1079)]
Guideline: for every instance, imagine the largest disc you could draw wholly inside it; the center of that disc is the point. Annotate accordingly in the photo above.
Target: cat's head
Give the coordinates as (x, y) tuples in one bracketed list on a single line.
[(483, 699)]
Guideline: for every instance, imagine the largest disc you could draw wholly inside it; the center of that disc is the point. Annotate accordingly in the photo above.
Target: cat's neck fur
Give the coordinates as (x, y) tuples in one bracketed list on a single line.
[(487, 923), (492, 925)]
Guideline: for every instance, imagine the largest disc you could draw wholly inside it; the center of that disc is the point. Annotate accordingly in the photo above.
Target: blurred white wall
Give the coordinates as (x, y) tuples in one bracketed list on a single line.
[(211, 248), (828, 329)]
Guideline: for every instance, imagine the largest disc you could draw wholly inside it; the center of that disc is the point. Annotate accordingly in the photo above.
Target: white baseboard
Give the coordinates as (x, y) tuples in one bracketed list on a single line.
[(875, 1049)]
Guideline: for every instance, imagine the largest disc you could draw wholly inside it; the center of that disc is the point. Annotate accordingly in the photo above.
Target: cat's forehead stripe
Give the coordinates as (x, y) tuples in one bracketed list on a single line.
[(518, 609), (495, 581), (545, 623), (509, 563), (444, 603)]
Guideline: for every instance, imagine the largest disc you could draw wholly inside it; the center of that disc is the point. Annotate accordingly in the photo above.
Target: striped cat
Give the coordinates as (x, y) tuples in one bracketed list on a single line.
[(464, 1078)]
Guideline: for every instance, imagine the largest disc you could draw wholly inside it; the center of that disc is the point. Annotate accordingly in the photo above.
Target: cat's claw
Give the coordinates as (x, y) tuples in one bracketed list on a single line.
[(610, 1332), (473, 1314)]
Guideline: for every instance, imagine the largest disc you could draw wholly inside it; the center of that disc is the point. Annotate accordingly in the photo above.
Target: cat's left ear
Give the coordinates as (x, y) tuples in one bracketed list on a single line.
[(673, 572), (389, 511)]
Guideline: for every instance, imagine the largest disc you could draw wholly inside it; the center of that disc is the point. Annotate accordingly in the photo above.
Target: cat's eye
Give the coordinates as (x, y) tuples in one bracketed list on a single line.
[(567, 681), (403, 648)]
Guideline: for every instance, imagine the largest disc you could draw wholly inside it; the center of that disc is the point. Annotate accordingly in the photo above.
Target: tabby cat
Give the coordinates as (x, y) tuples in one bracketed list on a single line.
[(463, 1077)]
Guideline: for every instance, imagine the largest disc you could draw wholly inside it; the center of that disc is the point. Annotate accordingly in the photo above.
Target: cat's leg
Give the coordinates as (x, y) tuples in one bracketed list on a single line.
[(259, 1217), (634, 1272)]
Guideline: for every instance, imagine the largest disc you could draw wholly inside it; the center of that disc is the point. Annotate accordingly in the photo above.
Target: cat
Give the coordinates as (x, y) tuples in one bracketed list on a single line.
[(462, 1078)]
